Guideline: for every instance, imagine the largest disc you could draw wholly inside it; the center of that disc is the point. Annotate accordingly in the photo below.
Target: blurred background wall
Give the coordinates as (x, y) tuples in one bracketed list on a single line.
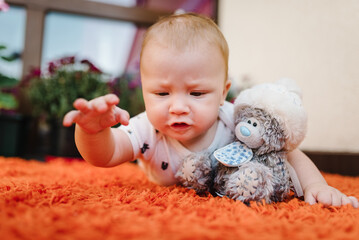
[(314, 42)]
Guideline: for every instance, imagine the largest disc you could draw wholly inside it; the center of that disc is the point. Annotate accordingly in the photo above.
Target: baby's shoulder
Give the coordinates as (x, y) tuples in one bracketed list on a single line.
[(226, 114), (139, 124)]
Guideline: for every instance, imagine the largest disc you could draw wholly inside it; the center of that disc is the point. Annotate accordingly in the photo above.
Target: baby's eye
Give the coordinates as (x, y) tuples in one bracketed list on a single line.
[(162, 93), (197, 94)]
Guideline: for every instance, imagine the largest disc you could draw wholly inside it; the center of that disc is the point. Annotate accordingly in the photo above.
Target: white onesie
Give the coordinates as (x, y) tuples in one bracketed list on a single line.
[(159, 155)]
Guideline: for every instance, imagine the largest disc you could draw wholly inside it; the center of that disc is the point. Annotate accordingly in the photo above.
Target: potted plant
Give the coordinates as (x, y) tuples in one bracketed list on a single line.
[(10, 120), (51, 94)]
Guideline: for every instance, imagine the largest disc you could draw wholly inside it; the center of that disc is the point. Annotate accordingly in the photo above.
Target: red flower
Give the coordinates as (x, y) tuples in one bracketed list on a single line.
[(92, 67), (67, 60), (52, 67)]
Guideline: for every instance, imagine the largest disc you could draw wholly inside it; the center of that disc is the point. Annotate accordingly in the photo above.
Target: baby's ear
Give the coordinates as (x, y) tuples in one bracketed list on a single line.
[(226, 88)]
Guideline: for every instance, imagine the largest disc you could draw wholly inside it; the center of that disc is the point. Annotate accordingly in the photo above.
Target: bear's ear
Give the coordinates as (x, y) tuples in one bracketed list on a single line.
[(273, 137)]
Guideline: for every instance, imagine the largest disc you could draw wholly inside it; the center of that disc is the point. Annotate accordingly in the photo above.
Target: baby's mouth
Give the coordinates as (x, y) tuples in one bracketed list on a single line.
[(179, 126)]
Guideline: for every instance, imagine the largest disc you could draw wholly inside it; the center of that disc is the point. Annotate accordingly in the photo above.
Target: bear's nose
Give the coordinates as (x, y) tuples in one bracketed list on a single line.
[(245, 131)]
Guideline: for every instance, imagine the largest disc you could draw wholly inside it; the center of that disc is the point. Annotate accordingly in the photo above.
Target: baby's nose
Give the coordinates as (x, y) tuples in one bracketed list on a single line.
[(179, 106)]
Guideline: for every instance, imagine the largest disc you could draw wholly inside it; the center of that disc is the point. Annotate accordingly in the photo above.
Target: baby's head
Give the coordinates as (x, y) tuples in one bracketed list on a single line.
[(184, 78), (187, 32)]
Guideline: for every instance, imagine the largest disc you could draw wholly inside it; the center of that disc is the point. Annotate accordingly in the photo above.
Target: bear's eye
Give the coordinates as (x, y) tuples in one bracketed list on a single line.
[(249, 121), (255, 124)]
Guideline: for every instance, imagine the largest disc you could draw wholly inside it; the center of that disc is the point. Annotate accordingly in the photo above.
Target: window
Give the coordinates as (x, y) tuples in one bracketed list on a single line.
[(106, 43), (12, 29)]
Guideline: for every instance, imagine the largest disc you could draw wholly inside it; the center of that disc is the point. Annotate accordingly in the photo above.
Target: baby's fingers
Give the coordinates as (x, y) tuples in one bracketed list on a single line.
[(122, 116), (353, 201), (111, 99), (104, 103), (310, 198), (70, 118), (82, 105), (329, 198)]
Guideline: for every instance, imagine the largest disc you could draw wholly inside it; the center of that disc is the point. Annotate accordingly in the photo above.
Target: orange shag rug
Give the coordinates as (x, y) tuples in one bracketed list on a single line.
[(73, 200)]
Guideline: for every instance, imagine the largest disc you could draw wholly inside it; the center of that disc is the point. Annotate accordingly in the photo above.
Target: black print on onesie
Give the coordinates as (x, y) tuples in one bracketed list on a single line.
[(164, 165), (144, 148)]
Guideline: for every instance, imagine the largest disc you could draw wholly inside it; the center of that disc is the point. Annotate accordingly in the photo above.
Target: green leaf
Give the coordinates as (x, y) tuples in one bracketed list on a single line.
[(7, 101), (9, 58), (7, 82)]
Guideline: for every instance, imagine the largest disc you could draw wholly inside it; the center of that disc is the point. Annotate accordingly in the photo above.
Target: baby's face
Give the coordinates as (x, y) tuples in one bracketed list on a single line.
[(183, 90)]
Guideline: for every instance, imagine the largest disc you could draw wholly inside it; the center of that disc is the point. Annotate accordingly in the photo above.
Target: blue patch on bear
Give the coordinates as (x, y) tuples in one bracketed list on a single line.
[(233, 154)]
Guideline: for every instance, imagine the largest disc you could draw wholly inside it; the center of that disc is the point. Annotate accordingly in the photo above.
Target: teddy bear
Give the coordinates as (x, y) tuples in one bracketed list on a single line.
[(269, 122)]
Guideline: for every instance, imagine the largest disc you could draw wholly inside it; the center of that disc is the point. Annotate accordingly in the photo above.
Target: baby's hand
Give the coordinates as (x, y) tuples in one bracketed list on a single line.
[(327, 195), (95, 115)]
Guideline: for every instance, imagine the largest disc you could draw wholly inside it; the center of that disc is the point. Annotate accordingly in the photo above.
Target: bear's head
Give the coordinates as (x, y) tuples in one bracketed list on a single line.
[(270, 117)]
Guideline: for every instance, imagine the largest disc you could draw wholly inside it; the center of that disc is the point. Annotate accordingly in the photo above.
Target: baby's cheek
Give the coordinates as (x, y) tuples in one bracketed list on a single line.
[(157, 119)]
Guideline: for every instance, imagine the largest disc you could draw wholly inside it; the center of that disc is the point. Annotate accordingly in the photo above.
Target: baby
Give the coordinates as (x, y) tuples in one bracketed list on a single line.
[(184, 65)]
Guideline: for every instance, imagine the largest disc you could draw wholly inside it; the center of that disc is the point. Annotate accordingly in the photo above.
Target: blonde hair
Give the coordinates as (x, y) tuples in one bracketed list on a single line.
[(185, 31)]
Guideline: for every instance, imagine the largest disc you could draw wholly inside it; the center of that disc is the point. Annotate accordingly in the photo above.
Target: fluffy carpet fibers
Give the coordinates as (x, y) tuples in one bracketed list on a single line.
[(73, 200)]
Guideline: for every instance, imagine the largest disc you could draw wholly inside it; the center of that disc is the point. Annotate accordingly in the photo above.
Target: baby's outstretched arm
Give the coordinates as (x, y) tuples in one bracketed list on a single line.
[(314, 186), (97, 142)]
